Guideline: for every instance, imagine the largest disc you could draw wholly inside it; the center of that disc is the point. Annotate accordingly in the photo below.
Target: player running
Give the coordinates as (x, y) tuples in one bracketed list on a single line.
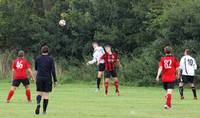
[(45, 67), (187, 67), (98, 53), (110, 60), (20, 66), (169, 67)]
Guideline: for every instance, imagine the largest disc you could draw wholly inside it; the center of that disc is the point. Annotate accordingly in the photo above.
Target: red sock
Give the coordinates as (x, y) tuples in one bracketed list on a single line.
[(28, 95), (10, 94), (106, 86), (168, 100), (117, 85)]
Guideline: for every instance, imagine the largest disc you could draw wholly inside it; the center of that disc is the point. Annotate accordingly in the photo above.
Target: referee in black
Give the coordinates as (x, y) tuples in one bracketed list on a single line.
[(45, 67)]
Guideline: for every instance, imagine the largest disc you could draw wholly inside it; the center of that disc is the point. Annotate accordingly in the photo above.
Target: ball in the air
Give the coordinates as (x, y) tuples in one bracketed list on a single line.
[(62, 22)]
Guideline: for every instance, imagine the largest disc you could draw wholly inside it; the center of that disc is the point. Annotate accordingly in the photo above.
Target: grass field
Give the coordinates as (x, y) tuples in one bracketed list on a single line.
[(81, 101)]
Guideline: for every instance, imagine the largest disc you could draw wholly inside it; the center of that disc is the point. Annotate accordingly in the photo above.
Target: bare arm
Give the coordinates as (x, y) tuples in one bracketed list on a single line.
[(31, 74), (119, 63), (13, 74), (159, 73)]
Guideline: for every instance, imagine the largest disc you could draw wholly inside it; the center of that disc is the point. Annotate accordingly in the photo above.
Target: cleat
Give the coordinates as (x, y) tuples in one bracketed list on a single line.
[(44, 113), (167, 107), (97, 90), (195, 98), (37, 110), (106, 93), (118, 94), (182, 97), (29, 101), (8, 101)]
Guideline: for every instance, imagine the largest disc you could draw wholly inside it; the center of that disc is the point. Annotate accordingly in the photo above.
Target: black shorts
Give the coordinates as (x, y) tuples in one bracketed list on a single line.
[(101, 67), (108, 74), (44, 84), (187, 79), (16, 83), (168, 85)]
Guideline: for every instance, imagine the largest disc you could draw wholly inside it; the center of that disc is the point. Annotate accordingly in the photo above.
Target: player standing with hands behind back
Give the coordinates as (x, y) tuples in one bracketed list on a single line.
[(187, 67), (169, 67), (45, 67)]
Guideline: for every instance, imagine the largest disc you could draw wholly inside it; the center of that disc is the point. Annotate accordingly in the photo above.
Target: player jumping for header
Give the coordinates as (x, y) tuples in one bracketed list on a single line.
[(187, 67), (20, 66), (169, 67), (98, 53), (110, 60)]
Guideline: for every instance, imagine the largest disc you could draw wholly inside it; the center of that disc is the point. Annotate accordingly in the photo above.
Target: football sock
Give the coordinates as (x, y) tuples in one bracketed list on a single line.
[(28, 94), (168, 101), (10, 94), (45, 104), (116, 85), (106, 86), (194, 91), (181, 91), (38, 98), (98, 82)]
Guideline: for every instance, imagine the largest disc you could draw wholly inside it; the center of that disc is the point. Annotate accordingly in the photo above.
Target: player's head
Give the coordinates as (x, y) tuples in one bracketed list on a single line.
[(168, 49), (95, 44), (187, 52), (108, 48), (21, 54), (45, 49)]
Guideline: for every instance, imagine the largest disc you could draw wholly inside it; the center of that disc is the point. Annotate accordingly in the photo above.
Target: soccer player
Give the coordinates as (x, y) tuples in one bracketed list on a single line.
[(20, 66), (45, 67), (169, 67), (187, 67), (110, 60), (98, 53)]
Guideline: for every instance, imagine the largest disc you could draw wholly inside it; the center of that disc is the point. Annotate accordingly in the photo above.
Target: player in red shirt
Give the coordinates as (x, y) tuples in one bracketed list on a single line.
[(110, 60), (169, 67), (20, 66)]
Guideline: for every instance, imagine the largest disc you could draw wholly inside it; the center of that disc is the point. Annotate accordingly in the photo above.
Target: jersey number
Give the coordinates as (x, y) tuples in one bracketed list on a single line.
[(19, 65), (168, 64)]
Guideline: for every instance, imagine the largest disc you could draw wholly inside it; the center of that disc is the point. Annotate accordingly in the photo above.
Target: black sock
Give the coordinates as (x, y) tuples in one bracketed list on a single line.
[(181, 91), (98, 82), (194, 91), (45, 104), (38, 98)]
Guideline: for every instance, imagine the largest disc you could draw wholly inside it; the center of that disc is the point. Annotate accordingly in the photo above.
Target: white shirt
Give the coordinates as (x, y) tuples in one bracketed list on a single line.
[(98, 53), (188, 65)]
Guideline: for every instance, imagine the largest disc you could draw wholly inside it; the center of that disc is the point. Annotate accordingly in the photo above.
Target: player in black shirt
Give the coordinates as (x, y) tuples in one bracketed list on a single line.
[(45, 67)]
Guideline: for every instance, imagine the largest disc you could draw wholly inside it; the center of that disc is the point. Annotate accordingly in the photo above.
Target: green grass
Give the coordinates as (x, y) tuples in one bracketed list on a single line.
[(81, 101)]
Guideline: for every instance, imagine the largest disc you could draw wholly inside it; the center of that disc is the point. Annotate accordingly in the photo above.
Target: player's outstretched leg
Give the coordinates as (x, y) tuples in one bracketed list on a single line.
[(181, 90), (10, 94), (106, 86), (38, 99), (194, 91), (116, 82), (28, 93), (168, 99)]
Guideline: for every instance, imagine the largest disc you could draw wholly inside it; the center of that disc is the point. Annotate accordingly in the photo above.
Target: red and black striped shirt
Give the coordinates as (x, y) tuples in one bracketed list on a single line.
[(110, 61)]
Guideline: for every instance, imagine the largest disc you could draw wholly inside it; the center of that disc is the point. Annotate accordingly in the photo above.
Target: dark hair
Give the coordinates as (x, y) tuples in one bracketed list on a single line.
[(187, 51), (168, 49), (108, 45), (21, 53), (45, 49)]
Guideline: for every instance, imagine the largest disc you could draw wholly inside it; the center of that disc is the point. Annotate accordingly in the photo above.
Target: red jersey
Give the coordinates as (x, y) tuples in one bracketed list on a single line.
[(110, 61), (169, 65), (20, 65)]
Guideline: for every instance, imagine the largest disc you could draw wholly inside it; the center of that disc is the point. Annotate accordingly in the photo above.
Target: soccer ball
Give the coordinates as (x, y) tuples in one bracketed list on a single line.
[(62, 23)]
